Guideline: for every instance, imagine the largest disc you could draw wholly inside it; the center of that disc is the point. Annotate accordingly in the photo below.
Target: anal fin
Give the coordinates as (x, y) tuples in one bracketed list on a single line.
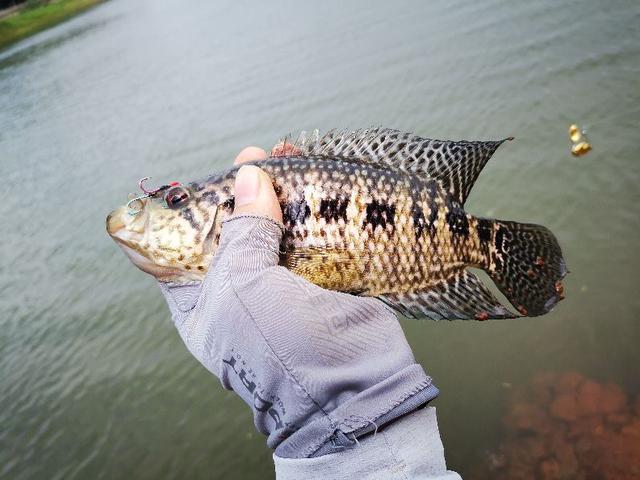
[(460, 297)]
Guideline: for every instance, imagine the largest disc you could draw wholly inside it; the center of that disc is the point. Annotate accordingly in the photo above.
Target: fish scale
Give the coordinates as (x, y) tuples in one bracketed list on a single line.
[(371, 228), (373, 212)]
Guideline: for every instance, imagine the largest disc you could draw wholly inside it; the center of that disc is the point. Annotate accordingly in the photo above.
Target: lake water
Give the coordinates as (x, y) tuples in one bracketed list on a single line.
[(94, 381)]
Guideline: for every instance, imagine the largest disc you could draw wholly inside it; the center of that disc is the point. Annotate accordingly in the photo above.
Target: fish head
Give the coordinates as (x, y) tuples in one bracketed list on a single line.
[(173, 232)]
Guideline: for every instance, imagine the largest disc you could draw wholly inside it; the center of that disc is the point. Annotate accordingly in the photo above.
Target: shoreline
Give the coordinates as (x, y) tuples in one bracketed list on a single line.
[(25, 21)]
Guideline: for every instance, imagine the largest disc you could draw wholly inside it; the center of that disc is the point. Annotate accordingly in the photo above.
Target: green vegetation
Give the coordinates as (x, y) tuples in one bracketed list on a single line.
[(38, 15)]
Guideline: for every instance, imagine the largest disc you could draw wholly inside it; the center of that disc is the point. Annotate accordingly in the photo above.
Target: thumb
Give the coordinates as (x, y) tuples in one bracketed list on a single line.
[(254, 194)]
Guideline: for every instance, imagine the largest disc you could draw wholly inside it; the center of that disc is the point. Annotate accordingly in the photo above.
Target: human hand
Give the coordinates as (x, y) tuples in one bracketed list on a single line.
[(254, 193), (318, 368)]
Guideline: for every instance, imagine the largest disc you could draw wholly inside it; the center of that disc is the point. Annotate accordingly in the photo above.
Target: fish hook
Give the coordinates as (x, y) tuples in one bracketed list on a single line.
[(147, 192), (135, 204), (135, 210)]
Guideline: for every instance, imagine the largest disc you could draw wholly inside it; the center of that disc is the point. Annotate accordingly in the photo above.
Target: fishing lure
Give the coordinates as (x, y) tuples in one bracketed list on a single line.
[(175, 193), (581, 145)]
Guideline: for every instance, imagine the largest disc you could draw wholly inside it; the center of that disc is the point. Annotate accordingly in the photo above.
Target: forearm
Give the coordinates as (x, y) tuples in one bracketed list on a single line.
[(409, 448)]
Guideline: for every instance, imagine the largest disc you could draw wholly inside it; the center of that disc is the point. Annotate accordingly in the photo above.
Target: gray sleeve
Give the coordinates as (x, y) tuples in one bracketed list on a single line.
[(408, 449), (320, 370)]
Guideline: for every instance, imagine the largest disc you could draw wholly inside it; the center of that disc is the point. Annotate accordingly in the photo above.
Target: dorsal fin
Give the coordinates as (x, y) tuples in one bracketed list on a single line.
[(455, 164)]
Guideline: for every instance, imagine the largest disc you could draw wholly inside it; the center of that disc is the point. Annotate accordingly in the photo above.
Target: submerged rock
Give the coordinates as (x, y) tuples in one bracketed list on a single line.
[(567, 426)]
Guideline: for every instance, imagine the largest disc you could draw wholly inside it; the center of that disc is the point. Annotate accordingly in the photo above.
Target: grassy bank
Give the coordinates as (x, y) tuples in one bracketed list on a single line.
[(33, 19)]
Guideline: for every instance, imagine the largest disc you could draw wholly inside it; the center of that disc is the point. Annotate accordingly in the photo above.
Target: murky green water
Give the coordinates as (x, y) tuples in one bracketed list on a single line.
[(94, 381)]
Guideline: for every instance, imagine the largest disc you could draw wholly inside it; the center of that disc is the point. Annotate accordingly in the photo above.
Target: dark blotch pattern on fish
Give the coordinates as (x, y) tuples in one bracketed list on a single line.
[(419, 222), (432, 190), (499, 241), (484, 230), (457, 219), (197, 186), (334, 209), (187, 214), (229, 204), (380, 214), (296, 212), (211, 197), (499, 244)]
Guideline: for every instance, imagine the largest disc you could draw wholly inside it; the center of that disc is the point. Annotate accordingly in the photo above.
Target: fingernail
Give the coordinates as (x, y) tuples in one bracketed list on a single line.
[(247, 185)]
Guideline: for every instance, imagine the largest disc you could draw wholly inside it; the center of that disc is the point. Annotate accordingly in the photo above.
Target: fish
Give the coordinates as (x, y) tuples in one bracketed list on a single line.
[(372, 212)]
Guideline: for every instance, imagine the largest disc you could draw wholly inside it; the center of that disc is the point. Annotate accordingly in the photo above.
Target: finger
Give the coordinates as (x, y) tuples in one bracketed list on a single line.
[(254, 194), (250, 154)]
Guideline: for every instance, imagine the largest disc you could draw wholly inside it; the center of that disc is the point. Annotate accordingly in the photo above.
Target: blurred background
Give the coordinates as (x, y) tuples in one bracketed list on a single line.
[(94, 380)]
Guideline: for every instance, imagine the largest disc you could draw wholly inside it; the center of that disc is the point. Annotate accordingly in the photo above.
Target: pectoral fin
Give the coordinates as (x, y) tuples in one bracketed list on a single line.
[(333, 269)]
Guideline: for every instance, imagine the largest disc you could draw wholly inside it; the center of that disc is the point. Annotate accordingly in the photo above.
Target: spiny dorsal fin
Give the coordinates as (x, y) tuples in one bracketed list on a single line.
[(455, 164), (461, 297)]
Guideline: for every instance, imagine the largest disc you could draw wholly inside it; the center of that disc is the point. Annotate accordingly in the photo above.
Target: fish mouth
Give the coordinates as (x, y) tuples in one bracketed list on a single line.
[(114, 223), (128, 242), (126, 239), (117, 229)]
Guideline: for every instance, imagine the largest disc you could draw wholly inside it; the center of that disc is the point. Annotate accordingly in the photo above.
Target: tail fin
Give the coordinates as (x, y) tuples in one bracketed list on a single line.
[(527, 266)]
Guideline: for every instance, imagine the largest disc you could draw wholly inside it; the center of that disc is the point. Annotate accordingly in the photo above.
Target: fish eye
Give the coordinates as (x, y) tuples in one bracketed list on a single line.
[(177, 197)]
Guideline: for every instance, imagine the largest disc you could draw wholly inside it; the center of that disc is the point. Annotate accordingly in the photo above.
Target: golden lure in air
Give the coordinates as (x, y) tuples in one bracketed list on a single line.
[(581, 145), (373, 212)]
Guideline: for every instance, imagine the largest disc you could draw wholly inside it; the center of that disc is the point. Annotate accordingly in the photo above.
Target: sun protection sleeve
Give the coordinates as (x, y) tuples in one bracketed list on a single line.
[(318, 368), (409, 448)]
